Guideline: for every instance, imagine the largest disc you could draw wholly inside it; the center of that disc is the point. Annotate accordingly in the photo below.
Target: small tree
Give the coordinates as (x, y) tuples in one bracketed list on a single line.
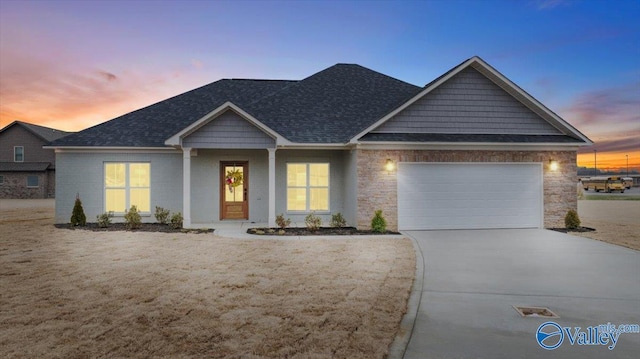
[(281, 222), (571, 220), (337, 220), (78, 217), (378, 223), (132, 218), (313, 222)]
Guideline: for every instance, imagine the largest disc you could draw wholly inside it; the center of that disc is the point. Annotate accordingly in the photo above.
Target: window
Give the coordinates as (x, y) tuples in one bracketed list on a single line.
[(18, 154), (1, 179), (307, 187), (32, 181), (125, 185)]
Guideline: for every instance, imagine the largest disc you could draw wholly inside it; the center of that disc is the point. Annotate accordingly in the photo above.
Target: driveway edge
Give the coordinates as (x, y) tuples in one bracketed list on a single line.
[(401, 341)]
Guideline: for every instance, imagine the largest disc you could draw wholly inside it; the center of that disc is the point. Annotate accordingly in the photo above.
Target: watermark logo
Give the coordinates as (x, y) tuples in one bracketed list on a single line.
[(550, 335)]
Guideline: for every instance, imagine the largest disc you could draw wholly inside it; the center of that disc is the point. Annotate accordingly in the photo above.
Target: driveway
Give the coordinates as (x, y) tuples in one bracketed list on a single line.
[(472, 279)]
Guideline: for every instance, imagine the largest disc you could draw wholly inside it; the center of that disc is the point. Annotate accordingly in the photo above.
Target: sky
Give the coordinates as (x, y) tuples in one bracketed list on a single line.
[(73, 64)]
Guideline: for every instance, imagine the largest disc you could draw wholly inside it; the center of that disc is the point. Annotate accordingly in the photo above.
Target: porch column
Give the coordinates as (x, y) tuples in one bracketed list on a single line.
[(272, 187), (186, 187)]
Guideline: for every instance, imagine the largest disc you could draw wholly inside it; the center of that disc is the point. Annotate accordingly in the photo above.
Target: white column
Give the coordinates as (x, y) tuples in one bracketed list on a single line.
[(272, 187), (186, 187)]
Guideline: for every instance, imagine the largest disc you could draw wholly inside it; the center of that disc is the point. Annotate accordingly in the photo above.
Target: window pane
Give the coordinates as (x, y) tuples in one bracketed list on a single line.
[(32, 181), (115, 200), (18, 154), (114, 175), (296, 199), (140, 197), (296, 174), (139, 174), (319, 174), (319, 199)]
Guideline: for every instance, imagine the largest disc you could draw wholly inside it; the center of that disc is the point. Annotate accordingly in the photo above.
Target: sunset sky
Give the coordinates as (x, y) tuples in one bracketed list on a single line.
[(73, 64)]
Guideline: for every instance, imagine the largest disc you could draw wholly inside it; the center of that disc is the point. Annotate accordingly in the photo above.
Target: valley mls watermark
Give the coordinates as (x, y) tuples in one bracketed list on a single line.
[(550, 335)]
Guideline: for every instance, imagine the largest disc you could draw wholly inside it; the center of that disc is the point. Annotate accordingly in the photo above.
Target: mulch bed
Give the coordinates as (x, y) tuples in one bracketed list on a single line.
[(144, 227), (322, 231), (579, 229)]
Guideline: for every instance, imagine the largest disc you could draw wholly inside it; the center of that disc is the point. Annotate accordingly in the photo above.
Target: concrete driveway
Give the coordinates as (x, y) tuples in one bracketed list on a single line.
[(472, 279)]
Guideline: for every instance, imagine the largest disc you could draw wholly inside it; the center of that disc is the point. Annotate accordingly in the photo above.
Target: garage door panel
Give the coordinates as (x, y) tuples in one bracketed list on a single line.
[(467, 196)]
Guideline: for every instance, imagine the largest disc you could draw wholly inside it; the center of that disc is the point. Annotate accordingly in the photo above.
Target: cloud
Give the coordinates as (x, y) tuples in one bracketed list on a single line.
[(107, 75)]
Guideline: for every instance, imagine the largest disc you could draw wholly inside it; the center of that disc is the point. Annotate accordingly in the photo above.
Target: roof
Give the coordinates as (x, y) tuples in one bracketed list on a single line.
[(47, 134), (24, 166), (338, 105), (152, 125)]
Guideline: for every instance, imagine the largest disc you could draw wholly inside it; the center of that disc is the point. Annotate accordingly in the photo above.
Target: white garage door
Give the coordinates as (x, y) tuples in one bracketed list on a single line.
[(469, 196)]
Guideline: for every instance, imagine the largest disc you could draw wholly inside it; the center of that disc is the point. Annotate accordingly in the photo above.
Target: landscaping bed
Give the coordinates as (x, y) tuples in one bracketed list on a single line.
[(579, 229), (322, 231), (144, 227)]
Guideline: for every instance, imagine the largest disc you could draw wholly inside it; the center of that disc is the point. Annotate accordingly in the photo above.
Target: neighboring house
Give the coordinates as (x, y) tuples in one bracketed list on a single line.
[(27, 170), (468, 150)]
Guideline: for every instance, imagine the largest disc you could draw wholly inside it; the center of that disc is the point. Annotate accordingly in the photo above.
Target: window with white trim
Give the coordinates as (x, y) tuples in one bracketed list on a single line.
[(307, 187), (127, 184), (33, 181), (18, 154)]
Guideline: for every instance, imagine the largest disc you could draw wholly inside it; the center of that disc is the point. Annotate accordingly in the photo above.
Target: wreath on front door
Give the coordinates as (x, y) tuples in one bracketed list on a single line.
[(233, 179)]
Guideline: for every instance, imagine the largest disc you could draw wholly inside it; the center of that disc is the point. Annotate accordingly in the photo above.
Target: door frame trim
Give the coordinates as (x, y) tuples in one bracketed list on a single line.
[(245, 187)]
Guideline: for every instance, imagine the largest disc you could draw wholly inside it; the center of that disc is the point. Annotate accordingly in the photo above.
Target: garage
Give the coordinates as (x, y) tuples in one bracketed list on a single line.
[(469, 195)]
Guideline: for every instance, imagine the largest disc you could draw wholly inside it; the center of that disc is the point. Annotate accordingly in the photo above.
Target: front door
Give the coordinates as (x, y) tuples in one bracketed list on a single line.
[(234, 186)]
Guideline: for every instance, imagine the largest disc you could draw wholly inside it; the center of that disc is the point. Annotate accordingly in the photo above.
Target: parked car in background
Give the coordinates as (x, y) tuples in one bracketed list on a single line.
[(628, 182), (607, 184)]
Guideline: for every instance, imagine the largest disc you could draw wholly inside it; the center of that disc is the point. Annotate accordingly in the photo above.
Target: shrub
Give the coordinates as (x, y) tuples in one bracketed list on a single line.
[(78, 217), (132, 218), (162, 215), (104, 220), (176, 220), (571, 220), (313, 222), (281, 222), (337, 220), (378, 223)]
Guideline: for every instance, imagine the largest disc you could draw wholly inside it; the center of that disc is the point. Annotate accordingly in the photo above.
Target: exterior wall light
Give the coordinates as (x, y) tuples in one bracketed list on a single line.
[(389, 166), (553, 165)]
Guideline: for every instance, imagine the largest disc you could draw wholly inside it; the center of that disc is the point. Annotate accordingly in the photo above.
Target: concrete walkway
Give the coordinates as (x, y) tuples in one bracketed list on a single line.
[(473, 278)]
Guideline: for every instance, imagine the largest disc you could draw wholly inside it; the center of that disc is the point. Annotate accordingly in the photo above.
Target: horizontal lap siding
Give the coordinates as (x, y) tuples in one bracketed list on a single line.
[(468, 103), (229, 130)]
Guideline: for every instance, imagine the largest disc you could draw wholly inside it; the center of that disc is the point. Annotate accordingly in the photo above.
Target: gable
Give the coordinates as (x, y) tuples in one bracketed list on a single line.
[(229, 130), (468, 103)]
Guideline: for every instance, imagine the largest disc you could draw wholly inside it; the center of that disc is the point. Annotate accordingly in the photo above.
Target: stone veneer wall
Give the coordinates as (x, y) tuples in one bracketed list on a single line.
[(377, 188), (15, 185)]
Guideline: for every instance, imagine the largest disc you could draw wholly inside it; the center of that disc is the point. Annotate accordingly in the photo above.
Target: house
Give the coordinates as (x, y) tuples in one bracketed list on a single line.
[(27, 170), (469, 150)]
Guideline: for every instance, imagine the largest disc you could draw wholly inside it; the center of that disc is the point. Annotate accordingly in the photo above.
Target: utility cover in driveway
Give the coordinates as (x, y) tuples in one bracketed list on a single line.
[(469, 195)]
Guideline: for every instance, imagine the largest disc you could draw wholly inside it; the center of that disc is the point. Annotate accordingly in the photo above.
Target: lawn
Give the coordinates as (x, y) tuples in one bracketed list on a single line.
[(122, 294)]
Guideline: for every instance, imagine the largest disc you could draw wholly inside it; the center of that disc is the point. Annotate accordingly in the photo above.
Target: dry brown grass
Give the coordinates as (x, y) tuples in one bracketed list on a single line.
[(615, 222), (118, 294)]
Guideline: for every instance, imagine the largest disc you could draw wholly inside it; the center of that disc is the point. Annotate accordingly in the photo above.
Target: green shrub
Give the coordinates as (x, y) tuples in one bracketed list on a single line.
[(571, 220), (313, 222), (337, 220), (378, 223), (176, 220), (281, 222), (78, 217), (104, 220), (132, 218), (162, 215)]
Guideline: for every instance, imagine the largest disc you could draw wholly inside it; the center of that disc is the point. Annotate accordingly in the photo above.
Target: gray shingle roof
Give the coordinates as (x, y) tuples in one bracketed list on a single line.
[(332, 105), (47, 134), (477, 138), (152, 125), (24, 166)]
